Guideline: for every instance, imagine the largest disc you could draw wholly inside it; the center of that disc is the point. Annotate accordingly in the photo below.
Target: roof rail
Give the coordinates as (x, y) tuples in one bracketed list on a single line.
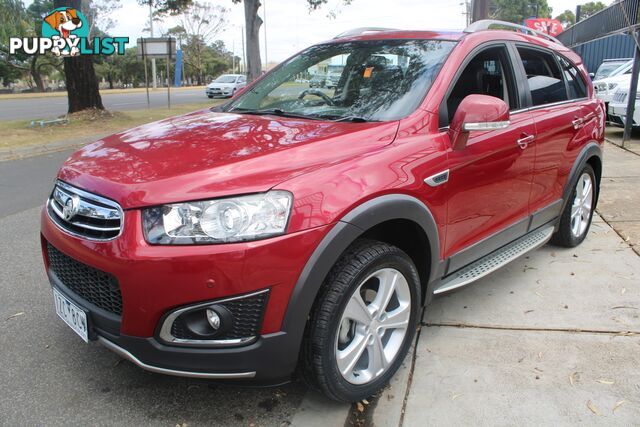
[(361, 31), (487, 24)]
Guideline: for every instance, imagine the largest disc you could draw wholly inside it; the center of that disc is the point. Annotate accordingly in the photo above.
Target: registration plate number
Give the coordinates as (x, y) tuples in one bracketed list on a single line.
[(72, 315)]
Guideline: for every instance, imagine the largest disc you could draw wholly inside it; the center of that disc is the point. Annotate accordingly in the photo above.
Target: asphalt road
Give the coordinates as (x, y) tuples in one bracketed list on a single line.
[(51, 107), (50, 377)]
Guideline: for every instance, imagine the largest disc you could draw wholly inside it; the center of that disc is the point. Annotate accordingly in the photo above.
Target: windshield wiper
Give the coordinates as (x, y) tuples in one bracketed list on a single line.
[(352, 118), (272, 111)]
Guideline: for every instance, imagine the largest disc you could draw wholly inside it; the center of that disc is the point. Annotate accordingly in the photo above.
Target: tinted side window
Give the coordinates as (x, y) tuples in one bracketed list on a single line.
[(544, 76), (488, 73), (575, 83)]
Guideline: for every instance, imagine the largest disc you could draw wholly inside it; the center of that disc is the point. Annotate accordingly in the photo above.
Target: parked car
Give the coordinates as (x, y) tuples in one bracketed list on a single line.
[(304, 231), (618, 108), (318, 81), (609, 66), (606, 87), (226, 85), (332, 80)]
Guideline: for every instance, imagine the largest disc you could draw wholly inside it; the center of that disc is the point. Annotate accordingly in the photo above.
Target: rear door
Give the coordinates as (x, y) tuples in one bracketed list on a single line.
[(557, 106), (490, 179)]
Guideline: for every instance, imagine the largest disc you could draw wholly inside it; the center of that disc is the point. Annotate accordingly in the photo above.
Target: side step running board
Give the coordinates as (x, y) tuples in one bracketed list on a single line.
[(495, 260)]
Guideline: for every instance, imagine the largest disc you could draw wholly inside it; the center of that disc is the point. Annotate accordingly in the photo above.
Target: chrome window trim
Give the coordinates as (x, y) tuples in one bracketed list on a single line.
[(551, 104), (165, 329), (85, 195), (187, 374)]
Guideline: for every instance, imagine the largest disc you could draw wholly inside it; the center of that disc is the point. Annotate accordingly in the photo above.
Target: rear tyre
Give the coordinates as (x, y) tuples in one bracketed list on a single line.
[(363, 322), (210, 96), (578, 213)]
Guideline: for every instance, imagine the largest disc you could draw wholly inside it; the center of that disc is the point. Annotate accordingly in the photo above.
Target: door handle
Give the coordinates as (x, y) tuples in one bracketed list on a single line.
[(525, 141), (577, 123)]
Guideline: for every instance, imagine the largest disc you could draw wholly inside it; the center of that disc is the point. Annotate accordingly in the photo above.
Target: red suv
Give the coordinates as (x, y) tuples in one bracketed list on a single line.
[(306, 228)]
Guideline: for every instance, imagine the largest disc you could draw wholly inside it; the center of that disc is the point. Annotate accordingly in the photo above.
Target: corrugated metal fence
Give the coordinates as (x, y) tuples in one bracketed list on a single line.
[(594, 52)]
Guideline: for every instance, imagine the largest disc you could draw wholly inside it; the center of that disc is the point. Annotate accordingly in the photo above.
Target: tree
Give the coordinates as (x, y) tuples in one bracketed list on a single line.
[(80, 77), (21, 22), (253, 22), (164, 7), (567, 18), (591, 8), (198, 24), (100, 11), (517, 11)]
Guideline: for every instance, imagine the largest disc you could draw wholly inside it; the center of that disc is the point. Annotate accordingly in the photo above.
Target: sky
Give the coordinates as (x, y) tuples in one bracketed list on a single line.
[(291, 27)]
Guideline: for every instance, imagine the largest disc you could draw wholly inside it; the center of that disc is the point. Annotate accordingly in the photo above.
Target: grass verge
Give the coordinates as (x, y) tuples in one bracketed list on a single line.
[(17, 133), (102, 92)]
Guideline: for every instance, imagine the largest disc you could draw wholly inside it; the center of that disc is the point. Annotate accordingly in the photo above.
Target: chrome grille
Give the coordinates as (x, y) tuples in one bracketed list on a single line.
[(619, 97), (84, 214)]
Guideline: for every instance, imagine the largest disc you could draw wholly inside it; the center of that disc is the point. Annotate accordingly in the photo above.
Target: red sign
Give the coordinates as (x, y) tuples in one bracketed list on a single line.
[(553, 27)]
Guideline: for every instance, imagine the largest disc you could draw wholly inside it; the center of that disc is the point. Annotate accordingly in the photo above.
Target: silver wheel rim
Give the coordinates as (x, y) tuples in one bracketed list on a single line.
[(582, 204), (373, 326)]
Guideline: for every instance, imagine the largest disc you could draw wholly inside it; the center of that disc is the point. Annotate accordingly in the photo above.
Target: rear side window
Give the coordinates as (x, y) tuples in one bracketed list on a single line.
[(544, 76), (575, 83)]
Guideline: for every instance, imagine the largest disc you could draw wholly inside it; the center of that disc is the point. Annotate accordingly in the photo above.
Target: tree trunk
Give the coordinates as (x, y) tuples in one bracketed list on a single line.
[(35, 74), (80, 77), (252, 24)]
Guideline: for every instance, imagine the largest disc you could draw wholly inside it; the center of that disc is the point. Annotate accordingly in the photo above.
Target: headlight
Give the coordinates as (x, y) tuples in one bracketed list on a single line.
[(612, 86), (234, 219), (601, 87)]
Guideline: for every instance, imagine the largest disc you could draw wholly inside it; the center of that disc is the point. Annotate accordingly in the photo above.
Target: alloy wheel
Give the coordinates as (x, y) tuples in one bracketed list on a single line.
[(582, 205), (373, 326)]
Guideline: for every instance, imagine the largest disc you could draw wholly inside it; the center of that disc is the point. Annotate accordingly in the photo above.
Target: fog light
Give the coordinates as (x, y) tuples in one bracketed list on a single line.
[(214, 319)]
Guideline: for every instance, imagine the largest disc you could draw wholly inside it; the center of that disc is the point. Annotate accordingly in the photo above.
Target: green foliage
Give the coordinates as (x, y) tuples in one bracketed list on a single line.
[(517, 11), (591, 8), (166, 7), (567, 18)]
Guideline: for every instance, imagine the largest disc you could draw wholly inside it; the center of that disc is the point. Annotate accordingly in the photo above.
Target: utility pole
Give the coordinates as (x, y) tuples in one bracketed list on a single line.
[(233, 56), (153, 60), (264, 13), (244, 56), (467, 11)]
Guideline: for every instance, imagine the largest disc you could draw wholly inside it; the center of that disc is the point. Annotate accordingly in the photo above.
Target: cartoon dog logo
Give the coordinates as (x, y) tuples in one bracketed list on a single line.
[(64, 22)]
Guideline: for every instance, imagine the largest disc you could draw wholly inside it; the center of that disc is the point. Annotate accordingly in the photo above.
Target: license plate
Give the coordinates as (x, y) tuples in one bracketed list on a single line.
[(72, 315)]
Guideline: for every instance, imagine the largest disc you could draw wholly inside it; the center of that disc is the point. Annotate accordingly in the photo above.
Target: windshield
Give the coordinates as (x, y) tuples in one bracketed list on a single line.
[(605, 69), (375, 80), (225, 79), (622, 69)]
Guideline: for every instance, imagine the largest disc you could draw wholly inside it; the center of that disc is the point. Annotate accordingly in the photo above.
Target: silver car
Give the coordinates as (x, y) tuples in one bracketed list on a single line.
[(226, 85)]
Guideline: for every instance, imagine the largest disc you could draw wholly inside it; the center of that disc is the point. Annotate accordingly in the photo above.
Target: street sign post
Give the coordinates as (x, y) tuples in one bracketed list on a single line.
[(157, 47)]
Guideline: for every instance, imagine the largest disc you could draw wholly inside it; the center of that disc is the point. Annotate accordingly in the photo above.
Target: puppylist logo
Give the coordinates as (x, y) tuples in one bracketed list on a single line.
[(65, 32)]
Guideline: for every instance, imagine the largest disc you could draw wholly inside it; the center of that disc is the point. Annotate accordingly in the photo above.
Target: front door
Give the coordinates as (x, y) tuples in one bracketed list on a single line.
[(490, 179)]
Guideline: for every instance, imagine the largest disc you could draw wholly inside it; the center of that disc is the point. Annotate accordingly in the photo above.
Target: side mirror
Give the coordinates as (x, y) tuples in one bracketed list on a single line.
[(592, 75), (477, 113)]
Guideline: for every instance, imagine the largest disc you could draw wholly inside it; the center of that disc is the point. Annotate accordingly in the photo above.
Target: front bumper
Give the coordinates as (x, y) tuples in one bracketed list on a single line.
[(219, 91), (155, 280), (618, 114)]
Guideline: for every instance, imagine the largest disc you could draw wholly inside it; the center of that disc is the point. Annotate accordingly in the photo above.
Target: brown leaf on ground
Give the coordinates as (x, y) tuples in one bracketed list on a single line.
[(593, 408), (623, 306), (360, 407), (617, 405), (573, 378)]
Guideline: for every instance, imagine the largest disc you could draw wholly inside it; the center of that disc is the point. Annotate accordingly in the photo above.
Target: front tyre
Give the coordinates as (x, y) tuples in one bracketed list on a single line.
[(578, 213), (363, 322)]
